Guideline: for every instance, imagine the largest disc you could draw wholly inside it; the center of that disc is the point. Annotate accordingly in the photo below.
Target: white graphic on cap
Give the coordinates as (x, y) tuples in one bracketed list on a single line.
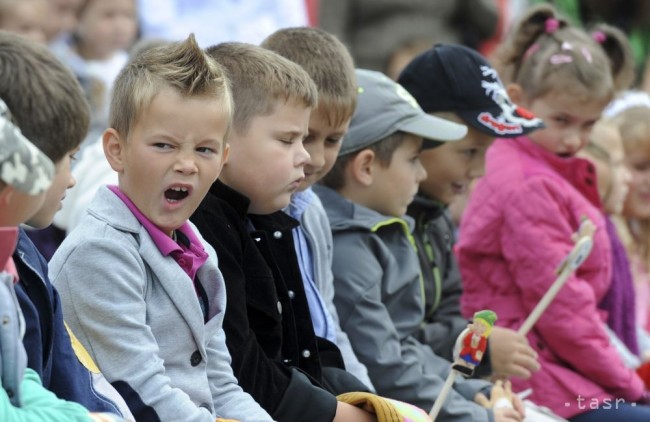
[(406, 96), (508, 122)]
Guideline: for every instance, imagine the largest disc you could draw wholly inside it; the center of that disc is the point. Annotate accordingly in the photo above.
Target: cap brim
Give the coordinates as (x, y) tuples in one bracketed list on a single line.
[(493, 122), (433, 130)]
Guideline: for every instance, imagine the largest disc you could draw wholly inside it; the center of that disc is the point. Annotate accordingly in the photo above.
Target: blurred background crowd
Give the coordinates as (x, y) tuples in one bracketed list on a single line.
[(95, 37)]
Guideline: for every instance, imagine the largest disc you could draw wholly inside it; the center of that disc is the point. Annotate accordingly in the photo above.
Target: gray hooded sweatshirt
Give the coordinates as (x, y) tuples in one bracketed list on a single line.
[(380, 303)]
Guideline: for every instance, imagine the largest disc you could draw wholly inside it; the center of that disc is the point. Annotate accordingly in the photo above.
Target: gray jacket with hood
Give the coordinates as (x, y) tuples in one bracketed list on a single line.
[(316, 227), (380, 303)]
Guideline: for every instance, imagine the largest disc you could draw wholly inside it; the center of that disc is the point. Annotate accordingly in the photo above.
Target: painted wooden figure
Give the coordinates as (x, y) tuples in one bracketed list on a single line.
[(472, 342)]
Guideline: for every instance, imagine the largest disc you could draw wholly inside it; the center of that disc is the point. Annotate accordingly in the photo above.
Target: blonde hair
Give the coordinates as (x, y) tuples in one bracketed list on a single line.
[(545, 53), (182, 66), (634, 126), (260, 78), (329, 64), (596, 150), (487, 325)]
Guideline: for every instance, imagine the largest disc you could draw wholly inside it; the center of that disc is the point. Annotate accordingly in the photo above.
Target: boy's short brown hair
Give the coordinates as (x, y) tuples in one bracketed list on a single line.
[(383, 149), (260, 78), (182, 66), (44, 97), (327, 61)]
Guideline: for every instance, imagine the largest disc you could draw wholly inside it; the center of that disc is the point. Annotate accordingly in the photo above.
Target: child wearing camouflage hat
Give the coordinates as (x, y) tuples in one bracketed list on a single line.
[(25, 173), (48, 106)]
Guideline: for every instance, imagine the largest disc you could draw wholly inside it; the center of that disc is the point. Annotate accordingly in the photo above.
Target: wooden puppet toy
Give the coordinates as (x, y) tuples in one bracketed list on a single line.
[(468, 352), (472, 341)]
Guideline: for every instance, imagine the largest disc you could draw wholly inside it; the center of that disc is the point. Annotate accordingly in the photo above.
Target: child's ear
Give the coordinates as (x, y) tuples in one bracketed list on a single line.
[(114, 149), (515, 92), (5, 195), (362, 166), (225, 153)]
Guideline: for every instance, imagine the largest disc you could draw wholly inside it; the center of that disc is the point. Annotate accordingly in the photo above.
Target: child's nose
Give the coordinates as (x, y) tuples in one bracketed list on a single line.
[(72, 181), (573, 142), (185, 164), (317, 155), (627, 176), (477, 168), (422, 172), (302, 156)]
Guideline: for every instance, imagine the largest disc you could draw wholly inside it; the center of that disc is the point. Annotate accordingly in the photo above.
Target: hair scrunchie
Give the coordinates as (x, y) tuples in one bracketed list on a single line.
[(551, 25), (599, 36)]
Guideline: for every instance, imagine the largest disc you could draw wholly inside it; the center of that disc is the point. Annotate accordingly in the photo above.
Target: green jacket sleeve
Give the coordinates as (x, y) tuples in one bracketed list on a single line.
[(39, 404)]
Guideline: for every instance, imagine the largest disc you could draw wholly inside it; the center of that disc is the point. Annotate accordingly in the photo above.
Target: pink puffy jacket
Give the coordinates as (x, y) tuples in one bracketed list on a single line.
[(515, 232)]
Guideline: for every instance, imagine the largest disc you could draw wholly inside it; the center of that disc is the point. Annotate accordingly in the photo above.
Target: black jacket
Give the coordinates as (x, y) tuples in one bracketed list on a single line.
[(276, 356)]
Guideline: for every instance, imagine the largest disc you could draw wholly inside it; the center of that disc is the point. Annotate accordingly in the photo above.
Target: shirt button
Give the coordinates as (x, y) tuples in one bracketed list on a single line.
[(195, 359), (306, 353), (279, 308), (291, 294), (277, 234), (181, 261)]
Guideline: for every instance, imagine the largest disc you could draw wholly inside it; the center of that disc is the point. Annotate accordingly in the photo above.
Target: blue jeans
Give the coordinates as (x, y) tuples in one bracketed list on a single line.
[(616, 412)]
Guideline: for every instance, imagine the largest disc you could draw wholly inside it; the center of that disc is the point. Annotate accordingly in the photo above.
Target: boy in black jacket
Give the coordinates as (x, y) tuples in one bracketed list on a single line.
[(276, 356)]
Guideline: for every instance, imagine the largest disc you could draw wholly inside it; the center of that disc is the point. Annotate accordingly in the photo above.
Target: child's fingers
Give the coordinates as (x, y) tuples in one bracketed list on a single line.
[(529, 363), (518, 404), (482, 400), (507, 415), (507, 386), (523, 361)]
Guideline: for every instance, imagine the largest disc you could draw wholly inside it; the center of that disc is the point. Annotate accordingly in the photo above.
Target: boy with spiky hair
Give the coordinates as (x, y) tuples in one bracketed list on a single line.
[(330, 65), (152, 316)]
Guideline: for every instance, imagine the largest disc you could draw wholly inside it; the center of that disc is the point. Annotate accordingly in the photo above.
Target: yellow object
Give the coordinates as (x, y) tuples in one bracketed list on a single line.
[(81, 352), (386, 410)]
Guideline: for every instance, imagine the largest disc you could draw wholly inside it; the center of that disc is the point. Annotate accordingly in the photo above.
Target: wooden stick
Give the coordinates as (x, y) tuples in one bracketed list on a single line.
[(574, 259), (437, 405)]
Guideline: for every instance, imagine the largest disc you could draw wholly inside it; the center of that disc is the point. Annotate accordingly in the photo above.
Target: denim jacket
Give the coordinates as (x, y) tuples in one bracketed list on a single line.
[(49, 348)]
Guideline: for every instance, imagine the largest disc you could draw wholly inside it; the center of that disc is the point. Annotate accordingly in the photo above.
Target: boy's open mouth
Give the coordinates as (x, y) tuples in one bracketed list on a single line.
[(176, 194)]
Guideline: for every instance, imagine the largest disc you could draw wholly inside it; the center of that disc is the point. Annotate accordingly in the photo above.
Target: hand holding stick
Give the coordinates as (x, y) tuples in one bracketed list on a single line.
[(583, 242)]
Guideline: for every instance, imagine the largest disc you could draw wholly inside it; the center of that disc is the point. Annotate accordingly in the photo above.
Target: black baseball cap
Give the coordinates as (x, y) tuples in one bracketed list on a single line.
[(455, 78)]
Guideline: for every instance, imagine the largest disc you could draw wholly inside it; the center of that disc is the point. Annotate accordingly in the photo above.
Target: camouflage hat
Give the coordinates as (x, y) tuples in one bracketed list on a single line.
[(22, 165)]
